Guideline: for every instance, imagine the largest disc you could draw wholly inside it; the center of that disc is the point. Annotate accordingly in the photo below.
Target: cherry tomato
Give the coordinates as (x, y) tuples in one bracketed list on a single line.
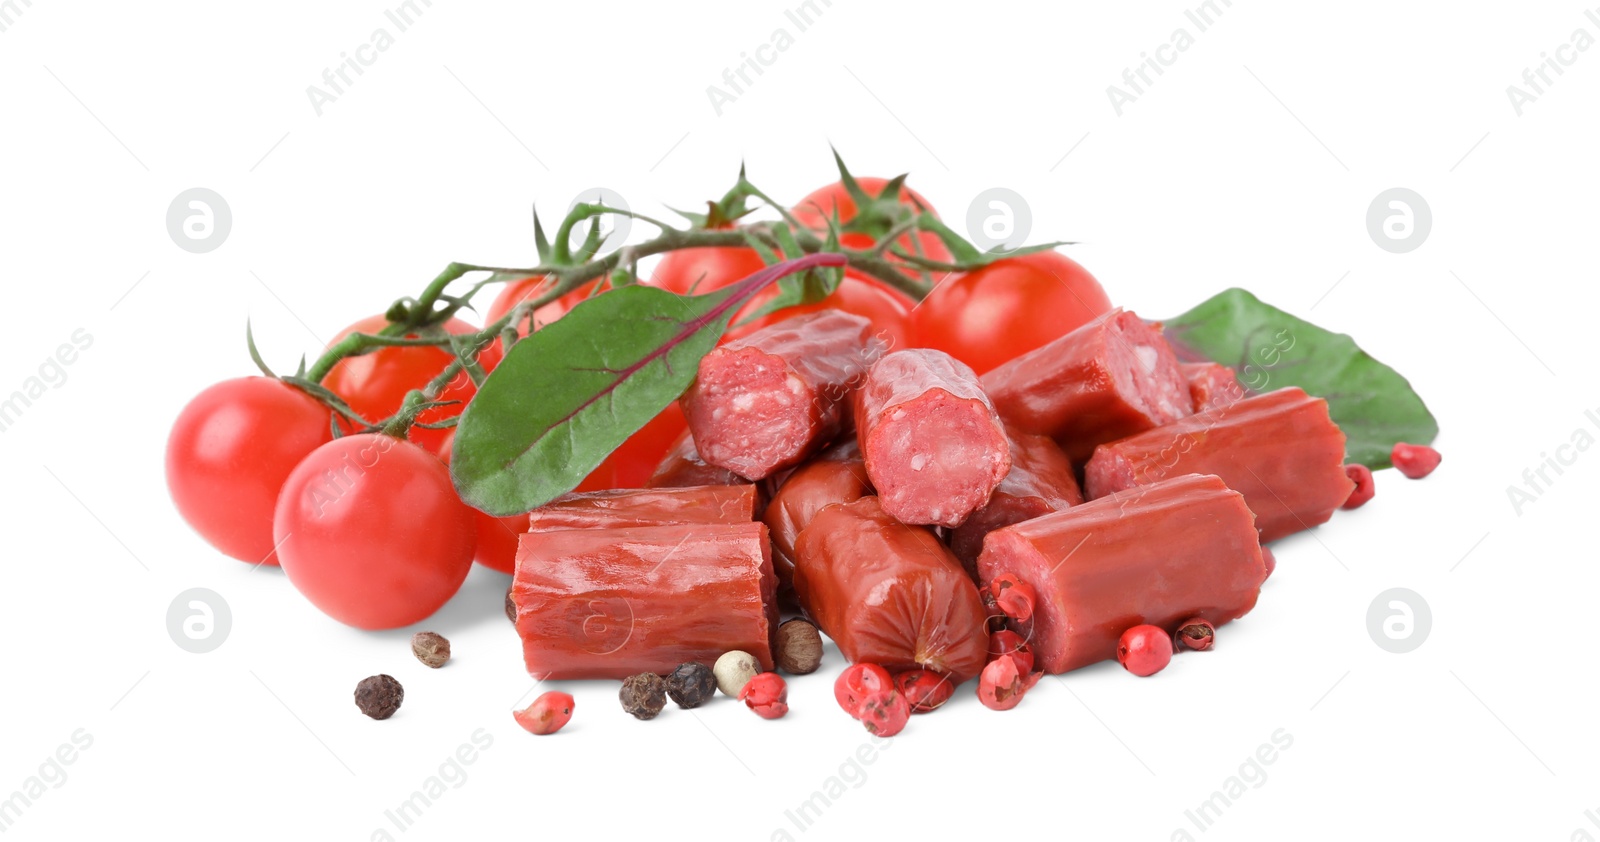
[(630, 465), (889, 310), (497, 536), (375, 384), (701, 270), (370, 529), (228, 454), (1012, 306), (707, 269), (528, 289), (815, 210)]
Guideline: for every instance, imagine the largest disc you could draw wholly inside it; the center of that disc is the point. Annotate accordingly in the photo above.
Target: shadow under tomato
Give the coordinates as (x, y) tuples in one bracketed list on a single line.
[(480, 601)]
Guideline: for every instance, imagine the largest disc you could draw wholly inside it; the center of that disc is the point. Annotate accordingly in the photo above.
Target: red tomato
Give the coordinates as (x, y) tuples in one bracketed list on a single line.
[(370, 529), (497, 536), (528, 289), (819, 206), (701, 270), (708, 269), (629, 466), (229, 452), (889, 310), (375, 384), (1012, 306)]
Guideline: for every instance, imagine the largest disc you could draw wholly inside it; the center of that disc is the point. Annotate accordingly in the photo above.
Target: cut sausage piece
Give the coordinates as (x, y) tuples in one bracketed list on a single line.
[(769, 400), (1159, 554), (682, 467), (1041, 481), (889, 594), (837, 475), (646, 507), (1280, 450), (1111, 378), (610, 603), (935, 449), (1212, 385)]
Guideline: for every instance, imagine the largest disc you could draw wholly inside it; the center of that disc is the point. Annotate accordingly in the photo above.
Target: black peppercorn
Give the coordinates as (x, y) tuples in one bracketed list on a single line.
[(799, 647), (430, 648), (643, 695), (690, 685), (379, 696)]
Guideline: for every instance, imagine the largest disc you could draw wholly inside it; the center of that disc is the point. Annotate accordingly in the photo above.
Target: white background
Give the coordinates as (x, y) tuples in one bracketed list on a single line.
[(1251, 161)]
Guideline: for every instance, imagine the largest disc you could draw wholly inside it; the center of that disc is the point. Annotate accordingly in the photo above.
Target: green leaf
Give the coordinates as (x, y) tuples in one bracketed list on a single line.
[(1271, 349), (571, 393)]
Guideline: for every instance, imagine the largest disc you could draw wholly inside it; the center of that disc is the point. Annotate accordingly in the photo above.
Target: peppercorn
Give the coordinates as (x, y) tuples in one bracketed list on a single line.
[(1365, 488), (1144, 650), (511, 607), (379, 696), (884, 713), (1003, 683), (767, 695), (1007, 642), (858, 682), (1414, 460), (1013, 596), (643, 695), (799, 647), (547, 714), (734, 670), (430, 648), (1197, 634), (691, 685), (925, 690)]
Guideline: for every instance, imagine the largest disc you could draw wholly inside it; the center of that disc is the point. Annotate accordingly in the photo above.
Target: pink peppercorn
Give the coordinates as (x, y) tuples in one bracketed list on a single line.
[(1365, 488), (1144, 650), (1014, 597), (767, 695), (1414, 460), (884, 713), (857, 683), (1003, 683), (925, 690), (547, 714)]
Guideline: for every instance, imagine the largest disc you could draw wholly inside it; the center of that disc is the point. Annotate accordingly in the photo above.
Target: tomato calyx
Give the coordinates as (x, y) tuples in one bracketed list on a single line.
[(725, 213), (876, 215)]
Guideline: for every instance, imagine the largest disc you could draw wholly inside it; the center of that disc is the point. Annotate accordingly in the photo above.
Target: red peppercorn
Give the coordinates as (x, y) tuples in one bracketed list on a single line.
[(858, 682), (547, 713), (1144, 650), (1013, 596), (767, 695), (1196, 633), (1007, 642), (1003, 682), (1270, 560), (1361, 475), (884, 712), (1414, 460), (925, 690)]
